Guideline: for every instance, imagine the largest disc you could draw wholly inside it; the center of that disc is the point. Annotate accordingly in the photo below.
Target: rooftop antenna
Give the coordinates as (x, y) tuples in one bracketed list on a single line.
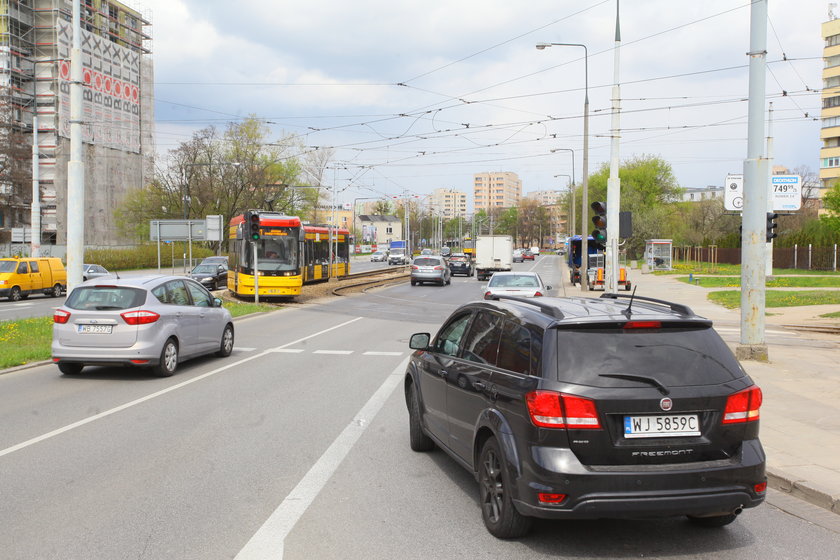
[(629, 305)]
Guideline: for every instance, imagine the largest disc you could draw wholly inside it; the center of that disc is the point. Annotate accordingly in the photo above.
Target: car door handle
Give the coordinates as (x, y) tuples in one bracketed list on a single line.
[(478, 385), (443, 373)]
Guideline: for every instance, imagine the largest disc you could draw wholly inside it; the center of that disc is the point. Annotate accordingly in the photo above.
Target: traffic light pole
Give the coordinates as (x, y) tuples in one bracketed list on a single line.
[(614, 182), (256, 274)]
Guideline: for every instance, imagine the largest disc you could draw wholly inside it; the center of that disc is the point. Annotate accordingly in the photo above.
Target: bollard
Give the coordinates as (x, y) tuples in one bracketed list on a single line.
[(690, 278)]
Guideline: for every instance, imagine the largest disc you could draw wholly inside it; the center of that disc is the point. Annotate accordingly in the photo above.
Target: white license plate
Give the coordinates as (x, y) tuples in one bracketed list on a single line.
[(95, 329), (273, 291), (672, 425)]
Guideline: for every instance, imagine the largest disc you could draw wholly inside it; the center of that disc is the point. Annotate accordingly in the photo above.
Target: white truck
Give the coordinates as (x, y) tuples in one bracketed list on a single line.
[(493, 253)]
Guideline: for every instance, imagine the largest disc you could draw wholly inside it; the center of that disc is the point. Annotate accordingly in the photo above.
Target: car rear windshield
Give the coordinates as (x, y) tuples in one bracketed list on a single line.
[(426, 262), (102, 298), (672, 356), (513, 280)]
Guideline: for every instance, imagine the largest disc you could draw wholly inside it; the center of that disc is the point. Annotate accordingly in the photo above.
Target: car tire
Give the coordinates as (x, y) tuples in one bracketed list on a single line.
[(226, 345), (56, 291), (713, 522), (14, 294), (70, 369), (168, 359), (413, 283), (417, 438), (497, 509)]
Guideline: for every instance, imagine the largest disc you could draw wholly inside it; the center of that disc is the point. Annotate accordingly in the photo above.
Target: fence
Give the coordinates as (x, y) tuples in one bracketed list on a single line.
[(796, 257)]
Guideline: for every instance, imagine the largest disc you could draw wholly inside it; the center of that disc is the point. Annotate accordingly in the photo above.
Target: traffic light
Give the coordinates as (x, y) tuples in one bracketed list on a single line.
[(252, 220), (599, 234), (771, 226)]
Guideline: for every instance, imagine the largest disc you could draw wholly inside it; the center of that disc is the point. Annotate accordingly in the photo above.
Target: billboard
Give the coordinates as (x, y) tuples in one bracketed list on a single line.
[(111, 92)]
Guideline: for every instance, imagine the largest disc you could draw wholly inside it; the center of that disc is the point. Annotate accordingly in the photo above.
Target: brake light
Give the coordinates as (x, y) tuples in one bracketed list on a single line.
[(60, 316), (415, 267), (643, 325), (488, 295), (549, 409), (141, 317), (438, 268), (743, 406)]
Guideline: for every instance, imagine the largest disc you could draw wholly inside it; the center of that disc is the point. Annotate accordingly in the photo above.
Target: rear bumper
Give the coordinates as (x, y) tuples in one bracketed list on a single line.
[(699, 488), (148, 352)]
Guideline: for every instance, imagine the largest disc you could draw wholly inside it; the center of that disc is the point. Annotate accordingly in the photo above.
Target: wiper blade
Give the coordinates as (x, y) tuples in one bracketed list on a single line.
[(641, 378)]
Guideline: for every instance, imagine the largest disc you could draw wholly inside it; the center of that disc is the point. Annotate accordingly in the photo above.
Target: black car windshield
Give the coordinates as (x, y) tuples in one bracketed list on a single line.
[(102, 298), (673, 356)]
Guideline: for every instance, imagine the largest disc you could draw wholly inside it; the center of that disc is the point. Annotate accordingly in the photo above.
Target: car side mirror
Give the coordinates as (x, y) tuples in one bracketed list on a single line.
[(217, 302), (548, 288), (419, 341)]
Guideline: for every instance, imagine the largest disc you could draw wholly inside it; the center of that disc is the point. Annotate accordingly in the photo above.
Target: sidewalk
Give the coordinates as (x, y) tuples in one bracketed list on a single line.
[(800, 417)]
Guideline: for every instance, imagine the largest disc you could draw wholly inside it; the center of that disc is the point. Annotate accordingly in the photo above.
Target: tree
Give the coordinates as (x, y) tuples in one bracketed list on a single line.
[(15, 167), (215, 173), (382, 208), (831, 203)]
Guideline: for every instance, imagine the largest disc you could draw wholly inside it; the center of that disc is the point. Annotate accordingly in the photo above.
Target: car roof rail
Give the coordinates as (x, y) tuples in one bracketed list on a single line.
[(546, 308), (675, 307)]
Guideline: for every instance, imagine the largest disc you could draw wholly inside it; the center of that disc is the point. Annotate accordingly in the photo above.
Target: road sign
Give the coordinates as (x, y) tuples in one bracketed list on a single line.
[(786, 192), (733, 193), (177, 230)]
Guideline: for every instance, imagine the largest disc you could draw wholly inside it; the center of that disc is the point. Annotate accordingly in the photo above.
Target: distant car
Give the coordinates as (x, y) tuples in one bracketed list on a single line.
[(535, 251), (518, 256), (215, 260), (90, 271), (427, 268), (520, 284), (427, 252), (445, 251), (210, 275), (527, 255), (146, 321), (459, 263), (378, 256)]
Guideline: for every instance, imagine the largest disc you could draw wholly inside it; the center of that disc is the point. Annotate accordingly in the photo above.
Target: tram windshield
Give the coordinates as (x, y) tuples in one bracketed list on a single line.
[(277, 250)]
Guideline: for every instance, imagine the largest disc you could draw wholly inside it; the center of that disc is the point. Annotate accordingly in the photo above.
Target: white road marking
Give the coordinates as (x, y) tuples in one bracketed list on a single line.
[(339, 352), (371, 353), (244, 349), (288, 350), (737, 330), (141, 400), (268, 541)]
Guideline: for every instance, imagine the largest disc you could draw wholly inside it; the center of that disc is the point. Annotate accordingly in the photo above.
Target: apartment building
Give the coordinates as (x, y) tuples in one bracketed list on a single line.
[(544, 198), (830, 114), (448, 203), (35, 41), (497, 189)]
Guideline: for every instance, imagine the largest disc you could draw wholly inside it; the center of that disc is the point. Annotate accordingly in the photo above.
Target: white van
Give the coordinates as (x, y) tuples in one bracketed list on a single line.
[(535, 251)]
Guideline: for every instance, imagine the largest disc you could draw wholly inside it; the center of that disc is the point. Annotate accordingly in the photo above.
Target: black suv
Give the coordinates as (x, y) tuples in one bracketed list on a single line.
[(583, 408)]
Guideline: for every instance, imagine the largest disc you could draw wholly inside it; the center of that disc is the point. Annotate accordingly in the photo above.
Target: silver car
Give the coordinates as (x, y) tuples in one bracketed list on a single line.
[(147, 321), (430, 269), (521, 284), (90, 271)]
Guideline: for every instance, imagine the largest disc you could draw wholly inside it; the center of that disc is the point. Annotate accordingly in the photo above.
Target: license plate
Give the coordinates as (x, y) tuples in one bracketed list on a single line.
[(672, 425), (95, 329), (273, 291)]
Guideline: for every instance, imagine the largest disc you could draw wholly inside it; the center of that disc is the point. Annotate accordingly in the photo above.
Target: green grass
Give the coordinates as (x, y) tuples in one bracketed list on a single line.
[(28, 340), (723, 269), (835, 315), (24, 341), (731, 299), (776, 282)]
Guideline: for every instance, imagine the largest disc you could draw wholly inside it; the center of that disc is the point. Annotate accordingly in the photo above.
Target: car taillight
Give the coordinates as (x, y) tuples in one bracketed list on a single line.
[(141, 317), (537, 294), (549, 409), (742, 406), (60, 316), (488, 295), (438, 268), (414, 267)]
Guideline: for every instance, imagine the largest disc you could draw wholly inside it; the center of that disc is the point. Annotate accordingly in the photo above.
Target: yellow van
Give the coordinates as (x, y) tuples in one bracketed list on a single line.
[(20, 277)]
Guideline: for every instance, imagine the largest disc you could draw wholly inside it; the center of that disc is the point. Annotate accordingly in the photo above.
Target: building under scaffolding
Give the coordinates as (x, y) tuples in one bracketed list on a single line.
[(118, 117)]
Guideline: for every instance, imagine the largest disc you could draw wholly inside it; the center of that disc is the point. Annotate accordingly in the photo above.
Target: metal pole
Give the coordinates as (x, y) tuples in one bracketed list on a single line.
[(256, 275), (35, 209), (768, 267), (614, 182), (809, 256), (158, 244), (753, 279), (75, 166)]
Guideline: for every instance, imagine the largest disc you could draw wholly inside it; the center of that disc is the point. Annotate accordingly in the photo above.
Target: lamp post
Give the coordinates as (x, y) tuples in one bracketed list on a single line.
[(584, 248), (571, 186)]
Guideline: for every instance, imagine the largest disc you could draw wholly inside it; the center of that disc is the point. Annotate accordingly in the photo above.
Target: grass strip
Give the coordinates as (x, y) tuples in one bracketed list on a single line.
[(776, 282), (731, 299)]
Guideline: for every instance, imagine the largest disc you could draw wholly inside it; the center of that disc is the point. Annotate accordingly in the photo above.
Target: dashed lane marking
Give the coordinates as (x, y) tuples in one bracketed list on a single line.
[(287, 350), (369, 353), (341, 352)]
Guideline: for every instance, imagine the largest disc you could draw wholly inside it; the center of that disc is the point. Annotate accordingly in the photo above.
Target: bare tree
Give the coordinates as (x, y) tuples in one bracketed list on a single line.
[(15, 167)]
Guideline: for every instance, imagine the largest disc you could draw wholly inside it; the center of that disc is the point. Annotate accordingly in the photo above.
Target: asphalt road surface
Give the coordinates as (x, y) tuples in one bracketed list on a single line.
[(296, 446)]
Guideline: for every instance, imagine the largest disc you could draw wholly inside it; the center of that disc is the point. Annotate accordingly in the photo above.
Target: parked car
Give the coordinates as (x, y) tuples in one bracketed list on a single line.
[(146, 321), (522, 284), (210, 275), (459, 263), (21, 277), (518, 256), (535, 251), (216, 260), (427, 252), (378, 256), (585, 408), (430, 269), (90, 271), (445, 252)]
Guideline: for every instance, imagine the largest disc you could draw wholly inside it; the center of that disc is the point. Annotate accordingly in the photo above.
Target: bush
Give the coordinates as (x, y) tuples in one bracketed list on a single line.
[(142, 256)]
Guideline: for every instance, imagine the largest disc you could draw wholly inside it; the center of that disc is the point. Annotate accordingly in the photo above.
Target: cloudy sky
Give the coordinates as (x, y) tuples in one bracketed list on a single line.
[(415, 95)]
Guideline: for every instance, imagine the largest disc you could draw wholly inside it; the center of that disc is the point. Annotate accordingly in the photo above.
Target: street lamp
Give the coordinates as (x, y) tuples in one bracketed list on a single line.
[(584, 248)]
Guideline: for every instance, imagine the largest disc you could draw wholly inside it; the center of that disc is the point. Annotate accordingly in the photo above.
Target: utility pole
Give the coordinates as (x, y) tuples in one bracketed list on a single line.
[(753, 346), (614, 182), (35, 210), (768, 270), (75, 167)]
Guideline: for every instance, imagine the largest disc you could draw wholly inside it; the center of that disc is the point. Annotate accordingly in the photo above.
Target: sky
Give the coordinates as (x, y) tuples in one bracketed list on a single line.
[(412, 96)]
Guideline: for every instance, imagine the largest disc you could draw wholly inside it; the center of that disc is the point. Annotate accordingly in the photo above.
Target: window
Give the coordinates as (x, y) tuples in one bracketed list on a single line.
[(829, 102), (199, 295), (23, 268), (482, 343), (389, 230), (174, 293), (33, 266), (830, 162), (830, 122), (449, 339), (833, 40)]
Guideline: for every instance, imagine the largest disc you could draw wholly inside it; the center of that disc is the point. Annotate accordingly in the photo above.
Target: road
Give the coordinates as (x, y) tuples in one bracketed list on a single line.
[(296, 446)]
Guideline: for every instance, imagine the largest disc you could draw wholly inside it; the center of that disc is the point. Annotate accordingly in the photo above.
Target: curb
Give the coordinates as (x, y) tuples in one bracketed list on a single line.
[(802, 489)]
